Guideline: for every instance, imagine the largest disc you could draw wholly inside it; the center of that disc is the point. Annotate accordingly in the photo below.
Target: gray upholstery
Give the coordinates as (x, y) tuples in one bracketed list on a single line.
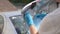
[(1, 23), (51, 23)]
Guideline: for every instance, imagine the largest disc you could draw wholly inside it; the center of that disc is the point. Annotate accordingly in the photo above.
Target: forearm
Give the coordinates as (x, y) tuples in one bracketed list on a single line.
[(33, 30), (30, 23)]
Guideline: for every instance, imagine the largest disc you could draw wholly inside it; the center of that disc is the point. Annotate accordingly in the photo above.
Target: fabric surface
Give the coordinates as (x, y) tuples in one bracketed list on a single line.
[(51, 23)]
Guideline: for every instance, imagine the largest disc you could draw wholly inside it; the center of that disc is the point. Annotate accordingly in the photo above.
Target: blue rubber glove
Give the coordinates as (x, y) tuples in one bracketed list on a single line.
[(37, 19), (41, 16), (28, 18)]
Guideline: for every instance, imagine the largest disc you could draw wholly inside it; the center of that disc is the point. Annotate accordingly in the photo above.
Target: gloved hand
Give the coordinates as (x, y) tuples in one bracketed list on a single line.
[(28, 18), (41, 16), (37, 19)]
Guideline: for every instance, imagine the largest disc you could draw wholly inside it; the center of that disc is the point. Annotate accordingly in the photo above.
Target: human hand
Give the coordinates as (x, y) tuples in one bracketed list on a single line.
[(28, 18)]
